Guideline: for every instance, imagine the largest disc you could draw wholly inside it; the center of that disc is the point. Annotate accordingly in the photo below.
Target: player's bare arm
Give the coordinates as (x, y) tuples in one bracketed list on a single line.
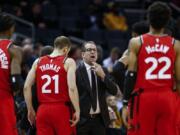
[(124, 58), (28, 94), (177, 65), (16, 59), (133, 50), (70, 67), (134, 46)]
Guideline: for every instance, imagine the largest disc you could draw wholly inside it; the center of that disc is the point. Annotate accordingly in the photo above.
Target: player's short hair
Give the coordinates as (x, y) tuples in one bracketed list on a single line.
[(159, 14), (46, 50), (140, 27), (83, 48), (6, 22), (61, 42)]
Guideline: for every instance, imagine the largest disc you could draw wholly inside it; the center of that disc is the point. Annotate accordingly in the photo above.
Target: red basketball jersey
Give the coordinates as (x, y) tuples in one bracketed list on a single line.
[(51, 79), (5, 66), (156, 62)]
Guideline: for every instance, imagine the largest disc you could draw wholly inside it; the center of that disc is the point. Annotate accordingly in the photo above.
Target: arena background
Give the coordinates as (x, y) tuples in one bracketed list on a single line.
[(43, 20)]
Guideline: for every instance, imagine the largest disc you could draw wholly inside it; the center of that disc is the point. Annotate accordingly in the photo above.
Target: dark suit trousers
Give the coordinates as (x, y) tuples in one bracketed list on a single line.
[(93, 126)]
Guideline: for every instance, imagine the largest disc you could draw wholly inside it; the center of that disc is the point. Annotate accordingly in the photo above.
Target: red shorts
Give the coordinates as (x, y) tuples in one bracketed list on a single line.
[(177, 115), (53, 119), (153, 113), (7, 115)]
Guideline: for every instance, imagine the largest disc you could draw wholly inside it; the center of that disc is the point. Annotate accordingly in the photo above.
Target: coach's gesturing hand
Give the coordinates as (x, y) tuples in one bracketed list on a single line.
[(99, 70), (31, 116), (75, 119)]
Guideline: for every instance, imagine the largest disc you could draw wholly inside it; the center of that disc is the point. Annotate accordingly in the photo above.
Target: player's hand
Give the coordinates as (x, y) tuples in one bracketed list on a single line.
[(99, 71), (125, 116), (75, 119), (31, 116)]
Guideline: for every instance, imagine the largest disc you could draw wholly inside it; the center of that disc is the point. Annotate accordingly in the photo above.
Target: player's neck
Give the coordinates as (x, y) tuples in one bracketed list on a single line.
[(5, 35), (2, 36), (56, 52), (153, 31)]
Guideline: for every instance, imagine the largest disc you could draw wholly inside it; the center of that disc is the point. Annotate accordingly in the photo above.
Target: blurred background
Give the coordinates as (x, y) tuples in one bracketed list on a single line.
[(106, 22)]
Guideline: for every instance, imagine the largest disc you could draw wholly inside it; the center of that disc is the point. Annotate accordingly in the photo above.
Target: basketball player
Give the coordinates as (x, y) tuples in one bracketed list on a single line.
[(10, 72), (153, 58), (56, 87)]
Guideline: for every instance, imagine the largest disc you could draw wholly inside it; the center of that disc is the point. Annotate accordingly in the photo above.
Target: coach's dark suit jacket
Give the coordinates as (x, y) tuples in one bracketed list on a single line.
[(84, 89)]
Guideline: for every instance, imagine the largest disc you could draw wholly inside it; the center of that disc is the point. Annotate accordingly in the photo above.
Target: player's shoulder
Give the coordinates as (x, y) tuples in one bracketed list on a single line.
[(37, 60), (135, 43), (15, 49), (136, 40), (177, 42), (70, 61), (15, 46), (177, 46), (35, 63)]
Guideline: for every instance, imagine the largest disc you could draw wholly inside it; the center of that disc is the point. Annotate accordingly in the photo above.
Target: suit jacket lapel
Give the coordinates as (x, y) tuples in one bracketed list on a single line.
[(85, 78), (98, 82)]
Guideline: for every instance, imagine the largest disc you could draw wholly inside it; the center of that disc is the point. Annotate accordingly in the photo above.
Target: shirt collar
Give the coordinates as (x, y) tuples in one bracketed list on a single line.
[(88, 67)]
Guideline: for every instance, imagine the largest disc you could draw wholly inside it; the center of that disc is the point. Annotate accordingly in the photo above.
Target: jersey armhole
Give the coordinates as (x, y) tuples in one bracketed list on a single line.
[(38, 61), (141, 43), (9, 45), (141, 39), (65, 58), (64, 67), (173, 41)]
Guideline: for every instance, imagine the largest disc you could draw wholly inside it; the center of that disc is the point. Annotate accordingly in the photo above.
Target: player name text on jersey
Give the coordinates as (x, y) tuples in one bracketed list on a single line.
[(50, 67), (3, 59), (157, 48)]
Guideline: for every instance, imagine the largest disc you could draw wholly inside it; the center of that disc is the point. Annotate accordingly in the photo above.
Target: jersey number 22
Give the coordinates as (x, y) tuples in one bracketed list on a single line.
[(161, 73)]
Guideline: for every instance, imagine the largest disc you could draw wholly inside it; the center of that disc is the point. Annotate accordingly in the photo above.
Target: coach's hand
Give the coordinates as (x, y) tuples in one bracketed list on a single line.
[(75, 119), (31, 116), (99, 70)]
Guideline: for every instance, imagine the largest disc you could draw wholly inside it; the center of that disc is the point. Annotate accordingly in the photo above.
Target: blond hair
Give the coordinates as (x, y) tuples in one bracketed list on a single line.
[(61, 42)]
